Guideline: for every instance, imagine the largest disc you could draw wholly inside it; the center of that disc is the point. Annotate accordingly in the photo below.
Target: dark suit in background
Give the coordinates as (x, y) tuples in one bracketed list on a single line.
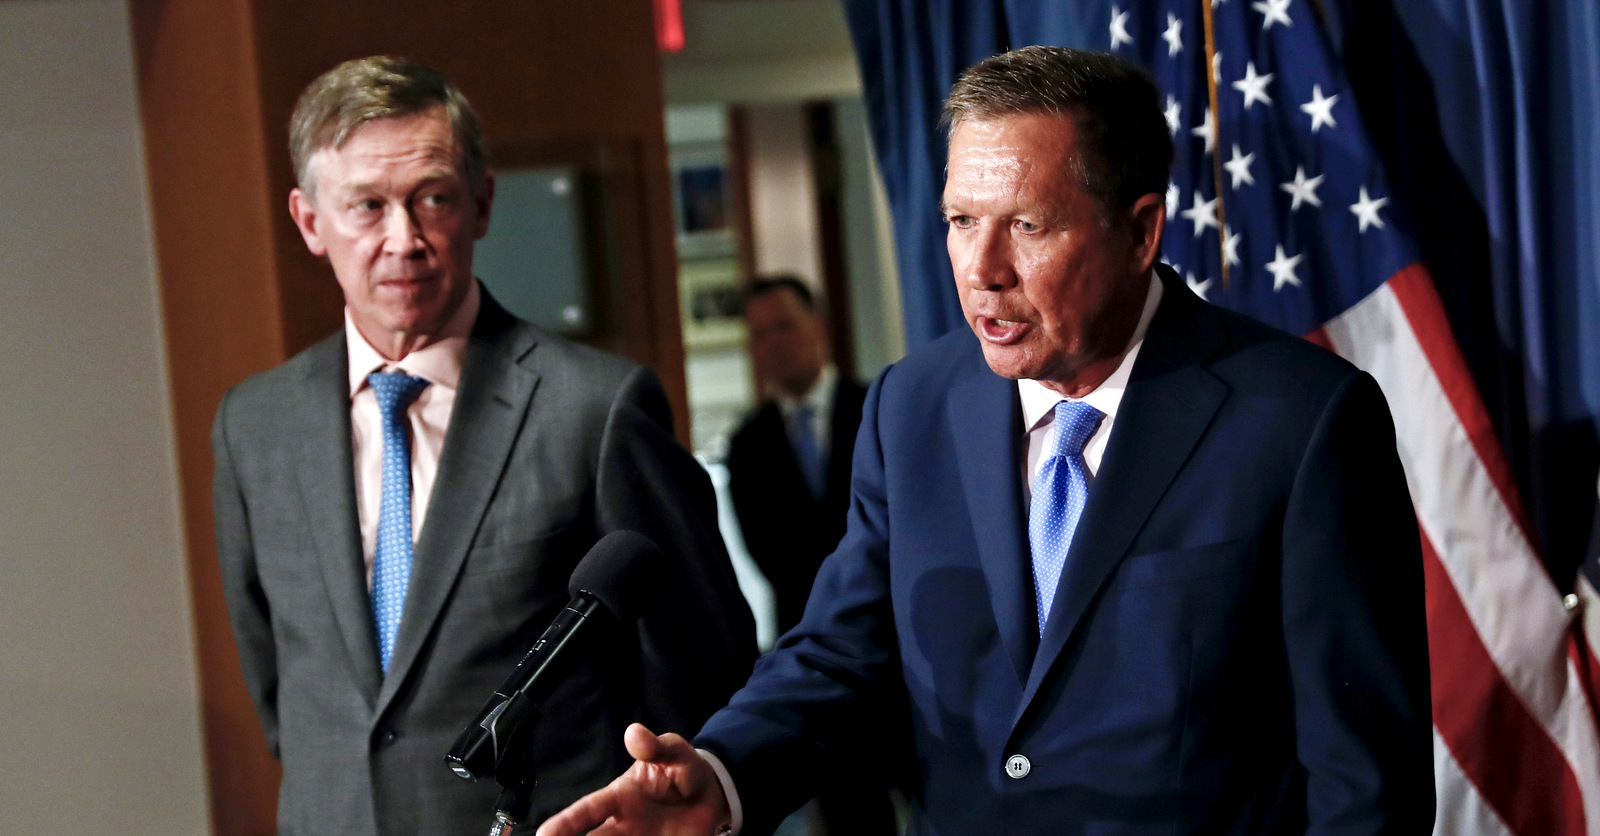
[(550, 447), (787, 529)]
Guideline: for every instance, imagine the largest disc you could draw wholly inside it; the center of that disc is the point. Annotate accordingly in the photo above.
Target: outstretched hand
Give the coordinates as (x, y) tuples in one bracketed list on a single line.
[(670, 790)]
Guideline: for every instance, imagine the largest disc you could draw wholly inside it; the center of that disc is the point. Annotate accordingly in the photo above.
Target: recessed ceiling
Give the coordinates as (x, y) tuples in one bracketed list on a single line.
[(742, 30)]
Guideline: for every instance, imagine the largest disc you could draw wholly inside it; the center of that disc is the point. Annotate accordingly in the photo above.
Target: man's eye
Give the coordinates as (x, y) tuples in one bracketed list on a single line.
[(371, 204), (1027, 226), (960, 221), (436, 200)]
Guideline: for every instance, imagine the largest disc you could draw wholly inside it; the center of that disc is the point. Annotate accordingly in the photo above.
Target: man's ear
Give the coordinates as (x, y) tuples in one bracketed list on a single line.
[(304, 211), (1148, 219), (484, 198)]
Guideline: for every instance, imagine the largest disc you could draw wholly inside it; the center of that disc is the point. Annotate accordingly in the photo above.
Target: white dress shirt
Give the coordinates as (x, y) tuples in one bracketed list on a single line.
[(820, 399), (439, 363)]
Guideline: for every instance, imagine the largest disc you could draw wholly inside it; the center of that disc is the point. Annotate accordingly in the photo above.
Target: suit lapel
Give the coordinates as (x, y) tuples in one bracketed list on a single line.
[(488, 415), (323, 463), (784, 461), (776, 431), (1169, 402), (986, 418)]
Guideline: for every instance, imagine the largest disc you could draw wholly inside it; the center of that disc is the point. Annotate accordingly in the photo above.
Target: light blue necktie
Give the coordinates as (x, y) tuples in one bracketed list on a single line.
[(391, 559), (806, 451), (1058, 496)]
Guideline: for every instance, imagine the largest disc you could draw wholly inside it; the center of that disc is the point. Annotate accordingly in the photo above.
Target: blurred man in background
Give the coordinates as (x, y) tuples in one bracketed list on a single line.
[(789, 473), (789, 463)]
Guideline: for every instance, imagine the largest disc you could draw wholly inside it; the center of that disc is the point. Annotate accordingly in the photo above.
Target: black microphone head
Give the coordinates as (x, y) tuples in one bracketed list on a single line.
[(621, 572)]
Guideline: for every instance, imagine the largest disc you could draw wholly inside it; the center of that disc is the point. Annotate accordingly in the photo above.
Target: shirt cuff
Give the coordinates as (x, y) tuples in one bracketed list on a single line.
[(726, 780)]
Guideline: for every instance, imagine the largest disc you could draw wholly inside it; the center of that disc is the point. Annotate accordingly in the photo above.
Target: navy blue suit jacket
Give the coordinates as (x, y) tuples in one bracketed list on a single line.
[(1237, 644)]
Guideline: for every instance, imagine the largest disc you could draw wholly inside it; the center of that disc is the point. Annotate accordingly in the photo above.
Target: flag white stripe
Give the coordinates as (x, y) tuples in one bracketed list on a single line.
[(1590, 613)]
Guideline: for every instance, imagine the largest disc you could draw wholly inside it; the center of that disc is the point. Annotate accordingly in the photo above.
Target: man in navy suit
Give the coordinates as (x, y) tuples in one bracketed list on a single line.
[(1118, 562)]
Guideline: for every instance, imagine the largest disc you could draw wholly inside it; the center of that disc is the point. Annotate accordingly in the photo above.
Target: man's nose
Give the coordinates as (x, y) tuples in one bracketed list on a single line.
[(989, 264), (402, 235)]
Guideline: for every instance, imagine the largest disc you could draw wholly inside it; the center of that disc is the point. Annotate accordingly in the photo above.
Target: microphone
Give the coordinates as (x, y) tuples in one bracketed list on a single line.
[(613, 581)]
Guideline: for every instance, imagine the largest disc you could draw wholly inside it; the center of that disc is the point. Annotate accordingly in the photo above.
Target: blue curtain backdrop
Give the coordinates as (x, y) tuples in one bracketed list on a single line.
[(1486, 113)]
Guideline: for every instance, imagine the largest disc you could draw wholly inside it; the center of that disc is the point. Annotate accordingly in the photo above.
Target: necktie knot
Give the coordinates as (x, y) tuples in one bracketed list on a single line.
[(803, 415), (1075, 422), (395, 390)]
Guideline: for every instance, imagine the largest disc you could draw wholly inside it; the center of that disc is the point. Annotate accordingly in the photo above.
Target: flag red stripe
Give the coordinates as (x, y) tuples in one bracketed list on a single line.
[(1320, 337), (1413, 289), (1506, 753)]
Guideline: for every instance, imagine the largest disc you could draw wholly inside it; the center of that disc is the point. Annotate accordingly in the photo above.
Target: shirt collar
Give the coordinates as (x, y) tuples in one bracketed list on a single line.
[(817, 398), (1039, 400), (439, 362)]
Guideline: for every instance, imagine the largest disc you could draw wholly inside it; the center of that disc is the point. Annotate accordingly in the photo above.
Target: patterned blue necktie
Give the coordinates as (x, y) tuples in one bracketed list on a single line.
[(391, 559), (1058, 496), (806, 451)]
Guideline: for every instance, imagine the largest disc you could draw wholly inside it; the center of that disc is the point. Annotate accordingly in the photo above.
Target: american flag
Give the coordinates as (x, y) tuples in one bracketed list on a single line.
[(1279, 182)]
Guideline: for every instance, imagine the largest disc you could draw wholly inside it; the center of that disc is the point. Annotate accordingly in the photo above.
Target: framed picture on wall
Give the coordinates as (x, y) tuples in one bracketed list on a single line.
[(702, 198), (702, 205)]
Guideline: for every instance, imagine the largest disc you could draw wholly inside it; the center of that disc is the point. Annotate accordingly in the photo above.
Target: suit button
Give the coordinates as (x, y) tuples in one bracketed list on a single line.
[(384, 738), (1017, 766)]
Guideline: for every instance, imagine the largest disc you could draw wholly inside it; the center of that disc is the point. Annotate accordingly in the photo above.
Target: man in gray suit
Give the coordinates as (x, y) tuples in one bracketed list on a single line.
[(399, 507)]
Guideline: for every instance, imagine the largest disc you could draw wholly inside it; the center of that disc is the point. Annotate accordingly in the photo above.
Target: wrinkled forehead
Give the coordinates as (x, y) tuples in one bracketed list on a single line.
[(1005, 149), (1035, 131)]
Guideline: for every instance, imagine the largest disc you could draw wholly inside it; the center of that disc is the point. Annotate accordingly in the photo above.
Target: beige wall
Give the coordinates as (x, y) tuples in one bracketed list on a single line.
[(783, 194), (99, 725), (762, 51)]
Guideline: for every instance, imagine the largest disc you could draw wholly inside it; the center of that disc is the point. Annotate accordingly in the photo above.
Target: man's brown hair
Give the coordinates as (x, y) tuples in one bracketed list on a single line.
[(1124, 146), (378, 87)]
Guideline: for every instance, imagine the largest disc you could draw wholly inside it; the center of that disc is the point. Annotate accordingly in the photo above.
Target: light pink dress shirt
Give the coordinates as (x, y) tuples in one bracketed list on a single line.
[(439, 363)]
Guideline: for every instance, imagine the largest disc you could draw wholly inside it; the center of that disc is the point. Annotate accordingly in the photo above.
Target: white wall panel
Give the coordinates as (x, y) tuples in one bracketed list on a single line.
[(99, 722)]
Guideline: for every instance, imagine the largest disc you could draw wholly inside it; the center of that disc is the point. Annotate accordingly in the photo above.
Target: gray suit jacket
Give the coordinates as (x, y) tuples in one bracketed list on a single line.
[(551, 446)]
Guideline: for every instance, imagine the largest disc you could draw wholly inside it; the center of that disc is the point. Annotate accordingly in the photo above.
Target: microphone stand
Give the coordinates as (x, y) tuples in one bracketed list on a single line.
[(511, 808), (515, 774)]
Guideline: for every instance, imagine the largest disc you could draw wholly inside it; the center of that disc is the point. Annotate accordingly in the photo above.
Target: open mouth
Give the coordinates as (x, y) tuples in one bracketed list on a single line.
[(1001, 331)]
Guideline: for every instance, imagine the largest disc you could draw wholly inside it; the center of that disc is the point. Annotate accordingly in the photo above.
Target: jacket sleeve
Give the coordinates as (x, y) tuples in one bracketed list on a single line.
[(697, 641), (248, 609), (832, 688), (1354, 625)]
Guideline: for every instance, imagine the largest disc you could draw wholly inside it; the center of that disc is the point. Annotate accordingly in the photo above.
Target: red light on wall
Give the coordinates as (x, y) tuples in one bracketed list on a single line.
[(669, 25)]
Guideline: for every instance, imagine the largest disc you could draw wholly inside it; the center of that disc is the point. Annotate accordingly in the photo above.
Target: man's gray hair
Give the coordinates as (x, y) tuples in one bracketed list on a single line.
[(378, 87), (1124, 147)]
